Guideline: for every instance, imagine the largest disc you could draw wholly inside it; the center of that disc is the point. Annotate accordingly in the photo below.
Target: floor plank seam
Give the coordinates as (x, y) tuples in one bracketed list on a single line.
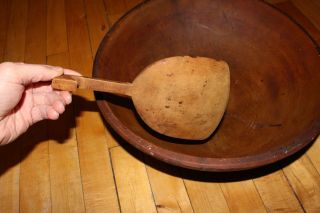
[(88, 29), (264, 204), (106, 14), (152, 192), (184, 184), (114, 179), (294, 192), (224, 197), (58, 53), (79, 163), (311, 161)]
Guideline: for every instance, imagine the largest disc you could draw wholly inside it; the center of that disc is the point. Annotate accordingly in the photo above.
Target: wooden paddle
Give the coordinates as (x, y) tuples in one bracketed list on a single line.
[(182, 97)]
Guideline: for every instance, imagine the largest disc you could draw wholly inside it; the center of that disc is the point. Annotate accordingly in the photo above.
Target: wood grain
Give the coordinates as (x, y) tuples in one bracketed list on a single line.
[(115, 9), (242, 196), (169, 191), (98, 25), (10, 155), (4, 13), (110, 138), (56, 27), (313, 154), (97, 22), (17, 24), (97, 179), (35, 44), (132, 182), (65, 175), (78, 38), (34, 170), (305, 181), (206, 196), (276, 193)]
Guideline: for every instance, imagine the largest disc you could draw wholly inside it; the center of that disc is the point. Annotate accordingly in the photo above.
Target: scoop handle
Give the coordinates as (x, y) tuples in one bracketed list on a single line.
[(72, 83)]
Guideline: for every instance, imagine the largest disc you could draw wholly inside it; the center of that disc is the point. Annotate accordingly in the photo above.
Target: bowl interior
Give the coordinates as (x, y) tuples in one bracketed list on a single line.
[(273, 110)]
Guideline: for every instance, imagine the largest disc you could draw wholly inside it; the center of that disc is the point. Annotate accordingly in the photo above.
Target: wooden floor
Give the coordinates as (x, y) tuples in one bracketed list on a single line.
[(77, 165)]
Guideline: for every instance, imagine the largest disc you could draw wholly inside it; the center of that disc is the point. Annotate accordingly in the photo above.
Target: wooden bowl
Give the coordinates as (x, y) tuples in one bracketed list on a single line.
[(274, 105)]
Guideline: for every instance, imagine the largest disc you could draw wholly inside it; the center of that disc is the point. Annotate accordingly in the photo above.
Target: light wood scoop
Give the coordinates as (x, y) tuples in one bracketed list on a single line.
[(181, 97)]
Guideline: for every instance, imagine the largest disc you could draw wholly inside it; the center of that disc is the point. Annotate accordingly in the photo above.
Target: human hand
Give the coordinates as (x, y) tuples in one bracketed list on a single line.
[(27, 97)]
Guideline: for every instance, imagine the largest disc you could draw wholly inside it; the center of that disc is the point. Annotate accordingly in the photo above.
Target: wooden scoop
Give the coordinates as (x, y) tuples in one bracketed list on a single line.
[(181, 97)]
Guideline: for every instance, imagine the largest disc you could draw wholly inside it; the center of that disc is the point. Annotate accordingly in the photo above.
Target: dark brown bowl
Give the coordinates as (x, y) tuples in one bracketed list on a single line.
[(274, 106)]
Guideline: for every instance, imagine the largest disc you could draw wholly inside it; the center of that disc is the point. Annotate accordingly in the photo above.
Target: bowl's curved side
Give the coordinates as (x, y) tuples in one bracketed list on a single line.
[(279, 87), (203, 163)]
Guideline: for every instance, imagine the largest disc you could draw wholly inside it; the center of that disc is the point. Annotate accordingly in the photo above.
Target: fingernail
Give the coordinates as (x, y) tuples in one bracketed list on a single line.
[(53, 67)]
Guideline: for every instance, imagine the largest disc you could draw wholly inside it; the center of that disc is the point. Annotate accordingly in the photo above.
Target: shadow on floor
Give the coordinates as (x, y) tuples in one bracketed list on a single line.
[(57, 131)]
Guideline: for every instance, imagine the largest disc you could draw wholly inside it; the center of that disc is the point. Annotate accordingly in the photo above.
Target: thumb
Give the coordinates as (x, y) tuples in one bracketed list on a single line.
[(32, 73)]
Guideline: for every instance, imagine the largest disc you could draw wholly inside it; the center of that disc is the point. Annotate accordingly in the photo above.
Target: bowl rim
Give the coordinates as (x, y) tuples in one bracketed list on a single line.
[(195, 162)]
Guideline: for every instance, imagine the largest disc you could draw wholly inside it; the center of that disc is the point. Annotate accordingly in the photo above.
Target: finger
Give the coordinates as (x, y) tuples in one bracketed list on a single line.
[(45, 87), (48, 98), (71, 72), (32, 73), (58, 106), (43, 112), (52, 114), (67, 96)]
